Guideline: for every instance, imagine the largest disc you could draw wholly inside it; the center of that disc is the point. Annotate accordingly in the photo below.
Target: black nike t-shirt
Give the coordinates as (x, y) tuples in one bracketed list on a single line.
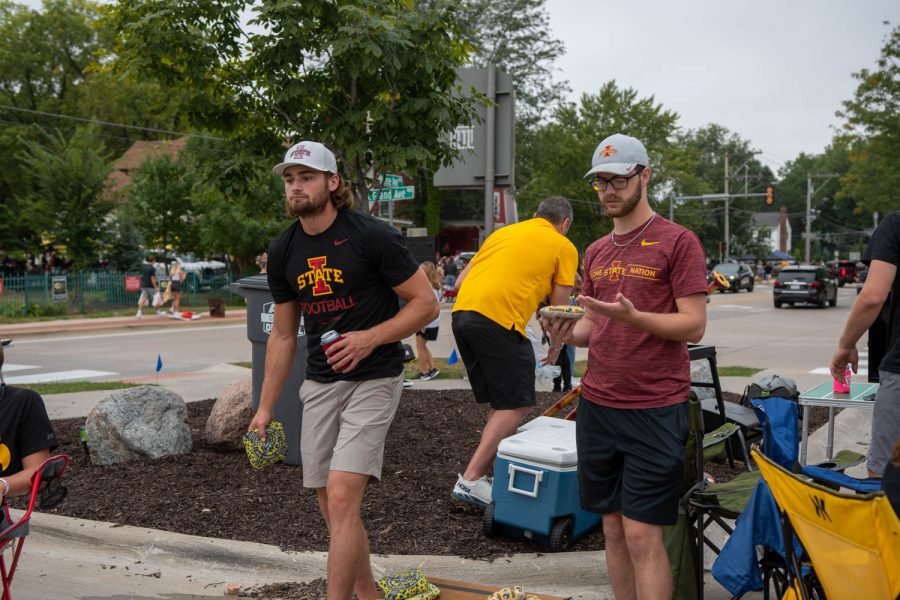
[(24, 427), (885, 246), (343, 278)]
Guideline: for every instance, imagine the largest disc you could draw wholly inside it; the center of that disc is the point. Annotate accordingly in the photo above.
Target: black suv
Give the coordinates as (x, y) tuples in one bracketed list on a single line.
[(739, 275), (844, 271), (805, 283)]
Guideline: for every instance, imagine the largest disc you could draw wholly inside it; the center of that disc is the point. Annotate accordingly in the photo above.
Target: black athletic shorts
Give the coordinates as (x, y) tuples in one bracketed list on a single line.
[(429, 334), (631, 460), (500, 362)]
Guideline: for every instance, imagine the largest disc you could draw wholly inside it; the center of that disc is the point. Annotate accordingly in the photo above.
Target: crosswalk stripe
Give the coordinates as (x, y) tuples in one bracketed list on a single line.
[(58, 376), (7, 367)]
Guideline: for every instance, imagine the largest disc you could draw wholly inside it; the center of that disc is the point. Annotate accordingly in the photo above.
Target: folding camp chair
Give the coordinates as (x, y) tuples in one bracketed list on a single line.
[(47, 491), (722, 503), (852, 540)]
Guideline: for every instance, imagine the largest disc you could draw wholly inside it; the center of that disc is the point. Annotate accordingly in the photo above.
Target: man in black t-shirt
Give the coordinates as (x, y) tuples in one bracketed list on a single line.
[(26, 438), (883, 257), (149, 286), (341, 270)]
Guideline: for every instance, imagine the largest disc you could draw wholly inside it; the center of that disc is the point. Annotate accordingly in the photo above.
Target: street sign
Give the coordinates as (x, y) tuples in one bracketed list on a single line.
[(391, 194), (391, 181)]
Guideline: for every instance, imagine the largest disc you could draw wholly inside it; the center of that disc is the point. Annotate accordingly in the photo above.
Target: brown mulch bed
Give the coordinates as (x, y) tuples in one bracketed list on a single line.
[(216, 494)]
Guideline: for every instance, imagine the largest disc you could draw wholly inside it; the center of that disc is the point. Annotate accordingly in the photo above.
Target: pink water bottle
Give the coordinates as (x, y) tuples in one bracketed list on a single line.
[(843, 387)]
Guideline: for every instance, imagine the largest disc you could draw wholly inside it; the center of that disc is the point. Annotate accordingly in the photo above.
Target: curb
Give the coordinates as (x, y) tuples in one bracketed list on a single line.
[(213, 561)]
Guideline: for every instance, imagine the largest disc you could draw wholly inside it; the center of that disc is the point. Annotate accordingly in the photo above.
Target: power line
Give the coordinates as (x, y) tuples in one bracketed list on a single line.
[(107, 123)]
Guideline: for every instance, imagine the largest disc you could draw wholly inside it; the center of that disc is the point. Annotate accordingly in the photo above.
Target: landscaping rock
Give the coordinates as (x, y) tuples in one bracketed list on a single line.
[(230, 416), (135, 423)]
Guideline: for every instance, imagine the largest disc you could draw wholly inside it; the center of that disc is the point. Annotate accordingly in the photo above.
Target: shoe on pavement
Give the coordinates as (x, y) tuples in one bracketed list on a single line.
[(429, 375), (407, 383), (138, 315), (476, 493)]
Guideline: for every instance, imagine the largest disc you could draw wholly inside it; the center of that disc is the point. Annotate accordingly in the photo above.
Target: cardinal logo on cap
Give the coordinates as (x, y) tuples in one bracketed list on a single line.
[(300, 152), (608, 151)]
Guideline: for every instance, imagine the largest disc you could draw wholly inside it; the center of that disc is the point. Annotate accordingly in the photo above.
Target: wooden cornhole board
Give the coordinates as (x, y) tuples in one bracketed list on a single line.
[(461, 590)]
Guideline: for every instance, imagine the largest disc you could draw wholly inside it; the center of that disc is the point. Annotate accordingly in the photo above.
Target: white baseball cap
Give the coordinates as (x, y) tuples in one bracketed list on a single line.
[(310, 154), (618, 154)]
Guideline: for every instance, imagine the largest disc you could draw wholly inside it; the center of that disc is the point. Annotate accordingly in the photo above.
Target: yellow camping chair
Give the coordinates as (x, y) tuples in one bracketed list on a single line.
[(852, 540)]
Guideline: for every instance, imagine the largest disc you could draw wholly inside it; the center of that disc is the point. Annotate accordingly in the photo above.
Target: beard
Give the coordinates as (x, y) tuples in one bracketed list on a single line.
[(627, 203), (310, 207)]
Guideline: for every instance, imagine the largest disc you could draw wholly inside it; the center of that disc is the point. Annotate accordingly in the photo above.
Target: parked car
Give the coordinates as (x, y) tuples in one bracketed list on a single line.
[(805, 283), (844, 271), (739, 275)]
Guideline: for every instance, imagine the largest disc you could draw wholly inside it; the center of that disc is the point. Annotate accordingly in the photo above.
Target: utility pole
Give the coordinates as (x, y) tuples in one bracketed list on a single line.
[(491, 93), (727, 202), (810, 192)]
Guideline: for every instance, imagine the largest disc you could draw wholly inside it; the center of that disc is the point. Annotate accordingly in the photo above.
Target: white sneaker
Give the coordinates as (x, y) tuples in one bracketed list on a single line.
[(138, 315), (477, 493), (407, 383)]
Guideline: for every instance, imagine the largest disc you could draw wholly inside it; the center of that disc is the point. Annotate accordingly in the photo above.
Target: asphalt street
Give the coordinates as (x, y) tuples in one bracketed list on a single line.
[(744, 327)]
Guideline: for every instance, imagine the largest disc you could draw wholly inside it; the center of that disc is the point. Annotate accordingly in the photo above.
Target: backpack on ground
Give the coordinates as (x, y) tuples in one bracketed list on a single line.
[(771, 385)]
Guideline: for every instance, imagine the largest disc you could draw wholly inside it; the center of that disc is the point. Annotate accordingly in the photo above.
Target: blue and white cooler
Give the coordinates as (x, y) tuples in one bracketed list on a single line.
[(535, 491)]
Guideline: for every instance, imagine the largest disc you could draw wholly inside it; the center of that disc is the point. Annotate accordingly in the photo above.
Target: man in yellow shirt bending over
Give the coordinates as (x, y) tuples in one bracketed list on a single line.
[(516, 268)]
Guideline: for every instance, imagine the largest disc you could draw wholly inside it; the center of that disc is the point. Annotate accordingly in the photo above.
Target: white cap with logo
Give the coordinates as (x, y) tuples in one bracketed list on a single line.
[(309, 154), (618, 154)]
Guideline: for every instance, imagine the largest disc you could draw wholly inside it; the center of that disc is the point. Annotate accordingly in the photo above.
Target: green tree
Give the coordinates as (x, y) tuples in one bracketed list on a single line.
[(159, 204), (240, 201), (66, 189), (515, 36), (371, 78), (43, 56), (124, 247), (562, 149), (837, 224), (701, 170), (50, 80), (872, 131)]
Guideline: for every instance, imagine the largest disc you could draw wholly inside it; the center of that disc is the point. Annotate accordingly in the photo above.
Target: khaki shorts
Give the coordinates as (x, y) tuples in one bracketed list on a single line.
[(344, 426)]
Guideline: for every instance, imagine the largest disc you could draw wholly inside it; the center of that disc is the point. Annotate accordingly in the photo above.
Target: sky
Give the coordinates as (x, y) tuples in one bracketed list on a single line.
[(773, 71)]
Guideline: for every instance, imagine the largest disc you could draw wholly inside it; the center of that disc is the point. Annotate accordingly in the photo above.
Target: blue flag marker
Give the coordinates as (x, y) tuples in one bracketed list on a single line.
[(158, 363), (454, 358)]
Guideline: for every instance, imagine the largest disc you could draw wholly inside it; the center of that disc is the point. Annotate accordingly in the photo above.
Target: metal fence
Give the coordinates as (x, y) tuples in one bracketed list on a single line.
[(48, 294)]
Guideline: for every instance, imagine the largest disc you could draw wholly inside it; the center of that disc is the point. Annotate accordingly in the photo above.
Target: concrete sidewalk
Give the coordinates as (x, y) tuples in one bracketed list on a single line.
[(149, 320)]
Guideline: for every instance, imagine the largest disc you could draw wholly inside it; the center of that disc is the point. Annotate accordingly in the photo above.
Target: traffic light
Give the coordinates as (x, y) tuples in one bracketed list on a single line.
[(770, 196)]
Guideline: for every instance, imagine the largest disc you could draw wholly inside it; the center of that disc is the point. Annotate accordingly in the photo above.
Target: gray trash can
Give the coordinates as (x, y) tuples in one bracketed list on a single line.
[(260, 315)]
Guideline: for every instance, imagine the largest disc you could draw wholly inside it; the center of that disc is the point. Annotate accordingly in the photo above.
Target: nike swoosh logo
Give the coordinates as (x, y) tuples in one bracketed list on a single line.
[(339, 242), (646, 243)]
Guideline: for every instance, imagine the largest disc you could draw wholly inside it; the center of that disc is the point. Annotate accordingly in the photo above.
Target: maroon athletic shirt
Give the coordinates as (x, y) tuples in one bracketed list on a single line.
[(627, 367)]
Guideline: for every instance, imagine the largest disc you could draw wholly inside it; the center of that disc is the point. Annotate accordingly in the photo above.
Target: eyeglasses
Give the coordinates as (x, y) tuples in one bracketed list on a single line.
[(618, 183)]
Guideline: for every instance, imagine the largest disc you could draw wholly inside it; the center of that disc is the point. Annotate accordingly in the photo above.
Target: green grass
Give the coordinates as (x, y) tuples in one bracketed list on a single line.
[(457, 370), (454, 371), (68, 387), (738, 371)]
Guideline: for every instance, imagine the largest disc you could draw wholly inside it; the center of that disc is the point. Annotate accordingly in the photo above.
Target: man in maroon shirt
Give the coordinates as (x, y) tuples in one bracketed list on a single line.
[(645, 297)]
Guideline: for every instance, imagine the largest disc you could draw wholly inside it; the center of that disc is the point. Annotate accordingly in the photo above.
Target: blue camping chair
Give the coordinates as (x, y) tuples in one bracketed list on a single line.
[(759, 523)]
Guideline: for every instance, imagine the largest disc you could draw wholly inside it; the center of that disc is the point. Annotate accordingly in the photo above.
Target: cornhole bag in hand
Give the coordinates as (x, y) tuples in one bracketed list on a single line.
[(273, 450)]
